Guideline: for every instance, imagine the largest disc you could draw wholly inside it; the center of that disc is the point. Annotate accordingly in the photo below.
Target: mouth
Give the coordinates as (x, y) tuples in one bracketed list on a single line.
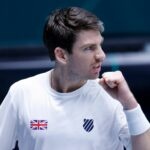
[(96, 69)]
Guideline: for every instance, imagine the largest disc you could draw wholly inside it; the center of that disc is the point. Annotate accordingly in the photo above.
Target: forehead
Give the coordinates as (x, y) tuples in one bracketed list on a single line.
[(88, 37)]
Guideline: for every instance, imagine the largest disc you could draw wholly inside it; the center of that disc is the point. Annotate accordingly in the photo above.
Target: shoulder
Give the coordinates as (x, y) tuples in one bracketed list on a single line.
[(28, 82), (25, 88)]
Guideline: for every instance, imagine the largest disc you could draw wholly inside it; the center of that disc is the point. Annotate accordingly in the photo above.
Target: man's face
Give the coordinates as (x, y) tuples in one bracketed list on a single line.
[(87, 55)]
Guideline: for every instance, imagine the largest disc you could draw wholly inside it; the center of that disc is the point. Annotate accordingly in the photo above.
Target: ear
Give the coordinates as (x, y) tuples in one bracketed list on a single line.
[(61, 55)]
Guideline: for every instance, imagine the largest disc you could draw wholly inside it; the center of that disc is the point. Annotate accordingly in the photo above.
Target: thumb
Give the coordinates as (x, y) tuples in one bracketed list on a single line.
[(102, 83)]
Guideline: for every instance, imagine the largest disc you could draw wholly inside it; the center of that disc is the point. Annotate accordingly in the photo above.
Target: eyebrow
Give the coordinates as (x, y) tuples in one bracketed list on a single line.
[(91, 44)]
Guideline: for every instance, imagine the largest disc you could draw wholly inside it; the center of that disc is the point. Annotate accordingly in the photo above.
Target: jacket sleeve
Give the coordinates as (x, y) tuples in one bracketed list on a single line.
[(8, 122)]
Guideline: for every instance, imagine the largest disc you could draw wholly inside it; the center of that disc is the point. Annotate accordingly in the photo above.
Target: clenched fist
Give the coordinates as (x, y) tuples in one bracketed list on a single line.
[(115, 84)]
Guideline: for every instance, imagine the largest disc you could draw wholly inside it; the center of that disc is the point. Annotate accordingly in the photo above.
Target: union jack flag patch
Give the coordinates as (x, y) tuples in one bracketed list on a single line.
[(38, 124)]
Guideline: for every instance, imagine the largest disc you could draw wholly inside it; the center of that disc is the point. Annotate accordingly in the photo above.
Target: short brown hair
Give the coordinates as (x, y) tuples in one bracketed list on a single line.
[(62, 26)]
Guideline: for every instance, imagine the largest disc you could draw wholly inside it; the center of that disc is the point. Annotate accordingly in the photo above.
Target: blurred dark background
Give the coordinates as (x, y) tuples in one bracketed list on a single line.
[(127, 38)]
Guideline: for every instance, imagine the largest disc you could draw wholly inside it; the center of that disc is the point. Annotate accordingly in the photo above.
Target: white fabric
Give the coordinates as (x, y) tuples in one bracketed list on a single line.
[(137, 121), (34, 99)]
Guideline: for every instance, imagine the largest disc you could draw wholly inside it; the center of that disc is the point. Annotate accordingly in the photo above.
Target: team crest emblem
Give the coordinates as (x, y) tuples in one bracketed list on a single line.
[(88, 124)]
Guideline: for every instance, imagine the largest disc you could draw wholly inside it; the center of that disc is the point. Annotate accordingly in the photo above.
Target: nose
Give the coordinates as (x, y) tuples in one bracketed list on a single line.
[(100, 55)]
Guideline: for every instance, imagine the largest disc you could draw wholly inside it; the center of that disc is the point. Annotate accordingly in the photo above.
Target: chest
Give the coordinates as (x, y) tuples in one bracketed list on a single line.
[(69, 123)]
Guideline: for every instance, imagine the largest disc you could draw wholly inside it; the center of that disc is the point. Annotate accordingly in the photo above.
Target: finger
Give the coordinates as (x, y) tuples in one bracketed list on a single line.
[(102, 83), (110, 79), (111, 83)]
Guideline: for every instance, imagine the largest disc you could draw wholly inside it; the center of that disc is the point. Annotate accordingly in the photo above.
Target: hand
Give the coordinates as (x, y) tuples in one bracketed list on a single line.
[(115, 84)]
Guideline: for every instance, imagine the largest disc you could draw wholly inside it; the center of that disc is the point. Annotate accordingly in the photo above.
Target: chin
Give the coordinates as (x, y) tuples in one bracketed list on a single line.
[(93, 77), (96, 75)]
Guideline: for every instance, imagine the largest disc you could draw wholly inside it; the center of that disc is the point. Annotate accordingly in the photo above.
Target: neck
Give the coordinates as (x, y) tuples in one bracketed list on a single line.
[(61, 82)]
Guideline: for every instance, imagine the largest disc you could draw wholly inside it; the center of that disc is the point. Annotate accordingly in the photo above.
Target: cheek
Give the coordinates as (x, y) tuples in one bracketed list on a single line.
[(81, 62)]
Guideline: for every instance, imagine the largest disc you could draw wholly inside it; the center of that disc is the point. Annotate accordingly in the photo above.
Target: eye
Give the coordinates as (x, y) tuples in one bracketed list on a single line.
[(87, 48), (90, 48)]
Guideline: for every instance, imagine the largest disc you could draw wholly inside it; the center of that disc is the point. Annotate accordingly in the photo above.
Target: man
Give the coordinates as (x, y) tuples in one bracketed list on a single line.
[(68, 107)]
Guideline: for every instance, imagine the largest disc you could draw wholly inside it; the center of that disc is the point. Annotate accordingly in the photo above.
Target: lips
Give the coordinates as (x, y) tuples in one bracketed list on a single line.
[(96, 69)]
